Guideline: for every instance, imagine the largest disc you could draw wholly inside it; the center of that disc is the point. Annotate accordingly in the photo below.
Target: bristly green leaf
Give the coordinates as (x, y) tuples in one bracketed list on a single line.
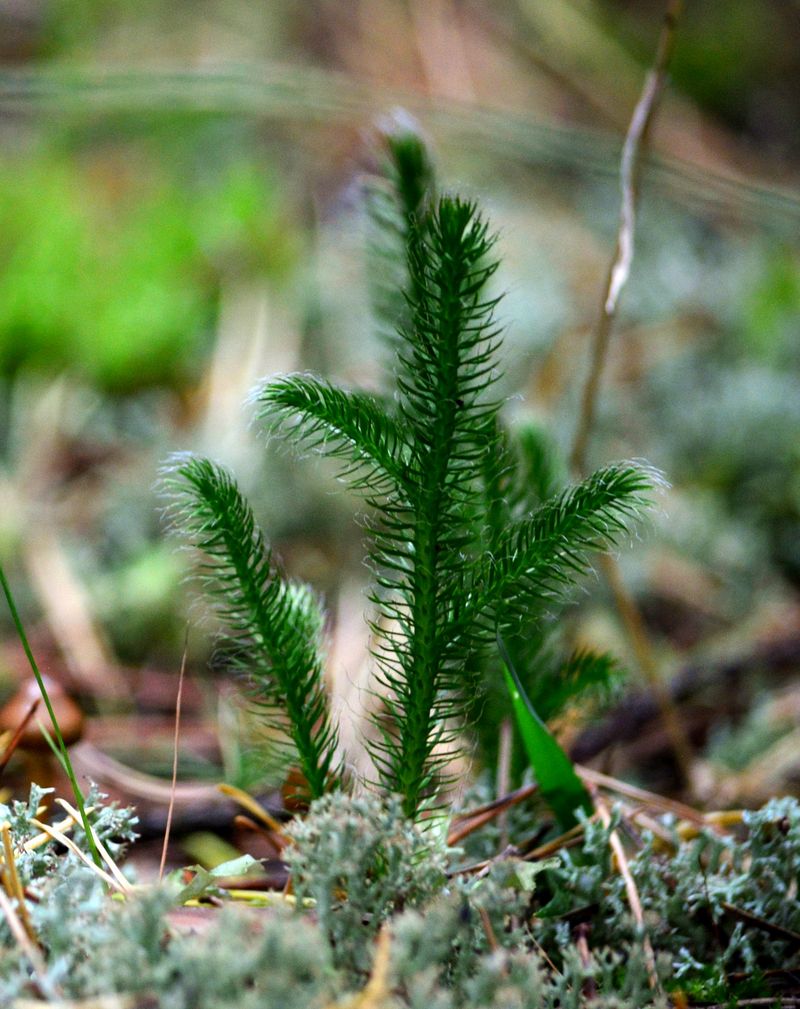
[(410, 168), (275, 624), (559, 785), (353, 427), (519, 468), (499, 482), (521, 471)]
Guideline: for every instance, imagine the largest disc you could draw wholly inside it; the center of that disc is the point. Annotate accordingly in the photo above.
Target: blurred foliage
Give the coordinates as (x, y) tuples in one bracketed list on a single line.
[(771, 309), (111, 272)]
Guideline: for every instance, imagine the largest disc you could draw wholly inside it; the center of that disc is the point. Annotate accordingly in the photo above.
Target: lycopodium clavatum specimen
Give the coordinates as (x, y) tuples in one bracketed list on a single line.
[(474, 536)]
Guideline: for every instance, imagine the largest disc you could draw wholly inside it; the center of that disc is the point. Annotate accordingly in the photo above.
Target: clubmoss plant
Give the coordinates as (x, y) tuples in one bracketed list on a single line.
[(457, 555)]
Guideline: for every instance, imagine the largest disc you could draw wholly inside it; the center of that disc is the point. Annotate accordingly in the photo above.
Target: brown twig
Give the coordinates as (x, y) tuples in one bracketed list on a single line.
[(503, 802), (641, 795), (572, 837), (491, 938), (476, 818), (504, 775), (468, 827), (756, 921), (616, 279), (619, 270)]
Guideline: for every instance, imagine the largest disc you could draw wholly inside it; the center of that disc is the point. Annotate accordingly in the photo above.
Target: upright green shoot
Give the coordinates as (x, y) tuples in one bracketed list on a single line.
[(418, 461), (446, 366)]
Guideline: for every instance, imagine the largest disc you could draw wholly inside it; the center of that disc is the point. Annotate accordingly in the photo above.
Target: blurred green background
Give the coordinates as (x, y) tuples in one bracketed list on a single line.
[(180, 215)]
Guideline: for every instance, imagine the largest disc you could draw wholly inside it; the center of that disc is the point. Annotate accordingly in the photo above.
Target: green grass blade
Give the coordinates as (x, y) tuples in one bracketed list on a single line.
[(560, 786), (67, 763)]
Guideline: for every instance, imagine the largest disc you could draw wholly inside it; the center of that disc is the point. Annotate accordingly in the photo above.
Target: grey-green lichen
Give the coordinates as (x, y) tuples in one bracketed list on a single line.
[(556, 934), (360, 861)]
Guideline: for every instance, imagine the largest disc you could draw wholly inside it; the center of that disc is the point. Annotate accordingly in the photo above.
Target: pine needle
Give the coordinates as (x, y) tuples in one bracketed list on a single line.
[(250, 804), (631, 891), (174, 782), (12, 884)]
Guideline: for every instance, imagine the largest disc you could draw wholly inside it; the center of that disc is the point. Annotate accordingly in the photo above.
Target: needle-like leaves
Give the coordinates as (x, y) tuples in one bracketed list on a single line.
[(420, 465), (350, 426), (592, 676), (537, 559), (445, 368)]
